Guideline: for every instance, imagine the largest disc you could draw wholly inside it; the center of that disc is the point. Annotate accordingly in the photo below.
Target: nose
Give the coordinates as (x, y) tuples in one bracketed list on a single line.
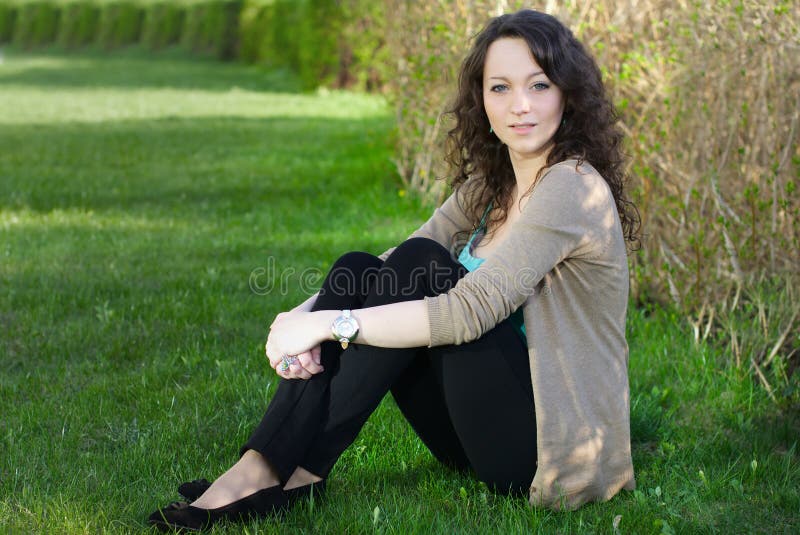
[(521, 104)]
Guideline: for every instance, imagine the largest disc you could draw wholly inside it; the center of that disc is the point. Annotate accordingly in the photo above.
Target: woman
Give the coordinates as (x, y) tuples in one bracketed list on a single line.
[(508, 359)]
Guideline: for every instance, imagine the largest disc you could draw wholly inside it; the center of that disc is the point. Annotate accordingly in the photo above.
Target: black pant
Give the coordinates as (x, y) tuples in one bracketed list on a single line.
[(471, 404)]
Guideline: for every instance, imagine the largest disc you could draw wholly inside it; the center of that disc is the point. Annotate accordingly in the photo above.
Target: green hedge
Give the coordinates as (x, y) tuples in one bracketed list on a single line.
[(284, 34), (326, 42), (120, 24), (163, 24), (212, 27), (306, 36), (36, 24), (322, 26), (271, 32), (254, 21), (79, 23), (8, 15)]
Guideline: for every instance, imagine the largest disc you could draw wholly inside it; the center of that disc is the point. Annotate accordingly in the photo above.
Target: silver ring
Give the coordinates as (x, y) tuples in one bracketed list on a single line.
[(287, 361)]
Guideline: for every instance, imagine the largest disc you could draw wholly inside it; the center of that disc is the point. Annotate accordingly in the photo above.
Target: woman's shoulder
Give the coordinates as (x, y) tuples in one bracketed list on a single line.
[(577, 171), (569, 193), (576, 180)]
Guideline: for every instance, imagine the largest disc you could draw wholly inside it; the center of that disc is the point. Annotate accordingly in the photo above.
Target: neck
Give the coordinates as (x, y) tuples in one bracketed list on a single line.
[(526, 170)]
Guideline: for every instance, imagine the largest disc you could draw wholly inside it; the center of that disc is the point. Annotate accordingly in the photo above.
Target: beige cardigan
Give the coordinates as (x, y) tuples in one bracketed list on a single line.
[(565, 261)]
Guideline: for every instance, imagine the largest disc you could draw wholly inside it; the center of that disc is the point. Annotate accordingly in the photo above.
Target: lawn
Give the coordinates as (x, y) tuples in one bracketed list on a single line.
[(155, 214)]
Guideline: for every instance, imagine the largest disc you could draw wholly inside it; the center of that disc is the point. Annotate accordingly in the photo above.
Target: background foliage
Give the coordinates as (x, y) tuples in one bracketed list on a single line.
[(709, 94)]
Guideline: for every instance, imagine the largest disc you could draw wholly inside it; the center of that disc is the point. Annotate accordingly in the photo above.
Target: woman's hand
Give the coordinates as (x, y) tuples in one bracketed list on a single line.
[(302, 366), (297, 336)]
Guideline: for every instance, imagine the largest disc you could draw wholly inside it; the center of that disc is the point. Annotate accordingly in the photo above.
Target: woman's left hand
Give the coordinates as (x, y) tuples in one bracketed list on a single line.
[(302, 366), (296, 334)]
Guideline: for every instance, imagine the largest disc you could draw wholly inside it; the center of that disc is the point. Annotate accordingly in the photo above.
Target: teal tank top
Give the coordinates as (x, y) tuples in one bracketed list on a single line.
[(472, 263)]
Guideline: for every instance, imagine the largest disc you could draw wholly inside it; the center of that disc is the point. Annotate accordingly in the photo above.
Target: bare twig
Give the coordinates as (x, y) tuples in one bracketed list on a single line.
[(782, 338), (763, 380)]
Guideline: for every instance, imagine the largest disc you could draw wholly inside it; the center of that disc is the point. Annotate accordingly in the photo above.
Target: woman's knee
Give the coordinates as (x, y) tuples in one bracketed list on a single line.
[(351, 274), (421, 251), (427, 259), (356, 261)]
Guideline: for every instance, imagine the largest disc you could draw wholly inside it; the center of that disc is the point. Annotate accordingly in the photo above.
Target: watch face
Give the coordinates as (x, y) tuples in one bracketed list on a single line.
[(346, 329)]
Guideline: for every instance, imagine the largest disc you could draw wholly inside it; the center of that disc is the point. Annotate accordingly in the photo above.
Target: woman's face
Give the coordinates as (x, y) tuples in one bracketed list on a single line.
[(524, 107)]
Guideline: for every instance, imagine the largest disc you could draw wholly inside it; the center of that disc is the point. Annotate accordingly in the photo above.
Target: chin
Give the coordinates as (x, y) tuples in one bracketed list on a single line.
[(529, 152)]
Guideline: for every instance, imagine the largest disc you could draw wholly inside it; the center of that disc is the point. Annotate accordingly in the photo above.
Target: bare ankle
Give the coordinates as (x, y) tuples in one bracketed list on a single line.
[(256, 469), (251, 473), (301, 477)]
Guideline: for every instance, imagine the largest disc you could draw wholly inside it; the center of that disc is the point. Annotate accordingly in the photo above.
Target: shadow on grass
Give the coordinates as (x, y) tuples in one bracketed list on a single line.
[(208, 164)]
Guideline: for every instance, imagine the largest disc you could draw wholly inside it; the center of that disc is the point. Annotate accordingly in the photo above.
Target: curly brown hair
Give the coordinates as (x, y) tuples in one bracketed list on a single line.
[(588, 133)]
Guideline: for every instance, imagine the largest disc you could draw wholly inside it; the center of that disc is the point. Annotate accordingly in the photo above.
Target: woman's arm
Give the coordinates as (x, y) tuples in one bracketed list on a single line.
[(402, 324), (306, 305), (570, 214), (395, 325)]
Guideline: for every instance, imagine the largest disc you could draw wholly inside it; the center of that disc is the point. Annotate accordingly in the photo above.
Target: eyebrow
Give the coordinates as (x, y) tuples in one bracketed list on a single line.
[(537, 73)]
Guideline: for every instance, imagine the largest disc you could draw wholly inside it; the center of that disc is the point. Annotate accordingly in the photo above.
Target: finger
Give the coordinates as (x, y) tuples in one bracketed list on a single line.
[(273, 354), (316, 354), (285, 374), (298, 371), (276, 360), (307, 362), (284, 368)]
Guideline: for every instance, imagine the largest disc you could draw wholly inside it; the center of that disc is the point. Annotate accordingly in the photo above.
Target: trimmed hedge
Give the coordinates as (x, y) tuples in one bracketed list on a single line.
[(79, 24), (308, 36), (212, 28), (254, 22), (120, 24), (8, 15), (285, 34), (36, 24), (322, 25), (326, 42), (163, 25)]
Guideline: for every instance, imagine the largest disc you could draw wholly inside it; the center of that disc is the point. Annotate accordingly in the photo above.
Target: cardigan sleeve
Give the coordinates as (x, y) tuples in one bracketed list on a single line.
[(446, 221), (571, 213)]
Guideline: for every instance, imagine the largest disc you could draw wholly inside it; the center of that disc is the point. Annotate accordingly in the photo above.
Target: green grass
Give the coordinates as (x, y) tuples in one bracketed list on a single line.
[(137, 199)]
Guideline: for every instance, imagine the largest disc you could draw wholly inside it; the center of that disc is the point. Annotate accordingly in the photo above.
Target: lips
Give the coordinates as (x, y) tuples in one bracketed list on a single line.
[(522, 128)]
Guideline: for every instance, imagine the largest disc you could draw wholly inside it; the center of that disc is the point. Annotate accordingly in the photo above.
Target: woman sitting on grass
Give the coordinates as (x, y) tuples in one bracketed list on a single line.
[(498, 326)]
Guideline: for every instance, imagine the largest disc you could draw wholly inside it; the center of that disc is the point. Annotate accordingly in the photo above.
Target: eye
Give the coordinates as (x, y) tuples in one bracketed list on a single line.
[(499, 88), (540, 86)]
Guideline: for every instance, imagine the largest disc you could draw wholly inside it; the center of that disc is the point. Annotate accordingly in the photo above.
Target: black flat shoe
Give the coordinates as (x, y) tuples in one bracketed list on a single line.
[(181, 515), (191, 490)]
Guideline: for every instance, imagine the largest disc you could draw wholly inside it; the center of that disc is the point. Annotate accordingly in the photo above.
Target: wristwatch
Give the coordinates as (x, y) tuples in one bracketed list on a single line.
[(345, 328)]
